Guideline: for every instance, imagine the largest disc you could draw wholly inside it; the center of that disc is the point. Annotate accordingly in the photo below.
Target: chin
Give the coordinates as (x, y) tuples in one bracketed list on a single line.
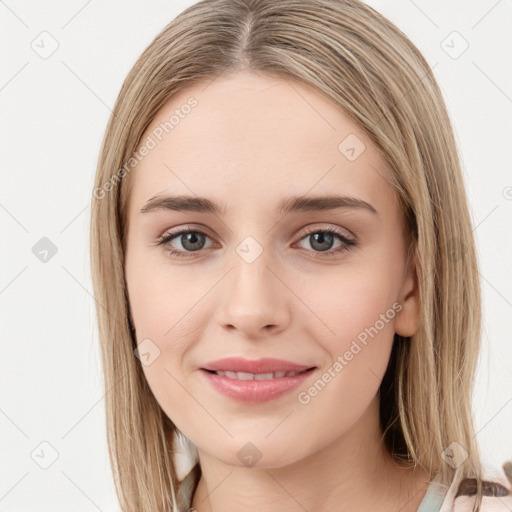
[(264, 454)]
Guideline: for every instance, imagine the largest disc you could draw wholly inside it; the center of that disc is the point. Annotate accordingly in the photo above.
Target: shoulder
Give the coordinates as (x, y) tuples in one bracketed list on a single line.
[(497, 495)]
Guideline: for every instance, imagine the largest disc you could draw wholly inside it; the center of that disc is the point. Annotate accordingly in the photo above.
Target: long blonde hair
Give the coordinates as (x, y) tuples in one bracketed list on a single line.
[(371, 70)]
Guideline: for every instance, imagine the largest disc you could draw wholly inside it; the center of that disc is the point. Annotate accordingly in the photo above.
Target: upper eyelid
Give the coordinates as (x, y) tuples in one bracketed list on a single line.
[(339, 231)]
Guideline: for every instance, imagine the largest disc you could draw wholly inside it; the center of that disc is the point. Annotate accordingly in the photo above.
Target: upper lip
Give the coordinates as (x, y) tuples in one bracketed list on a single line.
[(265, 365)]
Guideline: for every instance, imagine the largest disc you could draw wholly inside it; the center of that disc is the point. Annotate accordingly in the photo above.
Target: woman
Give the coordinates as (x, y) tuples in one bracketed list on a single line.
[(247, 136)]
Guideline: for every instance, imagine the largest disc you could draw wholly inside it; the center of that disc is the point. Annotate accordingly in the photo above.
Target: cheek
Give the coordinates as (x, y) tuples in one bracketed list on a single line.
[(357, 308), (162, 298), (168, 318), (166, 325), (355, 300), (356, 335)]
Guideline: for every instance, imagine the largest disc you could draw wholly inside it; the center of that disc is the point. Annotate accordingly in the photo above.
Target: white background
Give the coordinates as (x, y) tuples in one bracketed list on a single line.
[(54, 113)]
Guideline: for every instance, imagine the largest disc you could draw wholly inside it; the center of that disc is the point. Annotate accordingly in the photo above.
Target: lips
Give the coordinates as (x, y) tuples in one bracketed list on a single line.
[(255, 381)]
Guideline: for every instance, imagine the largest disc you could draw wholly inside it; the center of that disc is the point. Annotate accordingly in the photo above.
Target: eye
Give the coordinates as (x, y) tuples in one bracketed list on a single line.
[(191, 240), (322, 240)]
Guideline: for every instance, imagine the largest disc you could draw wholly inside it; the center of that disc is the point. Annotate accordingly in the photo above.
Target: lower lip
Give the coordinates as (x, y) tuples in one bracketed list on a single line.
[(256, 391)]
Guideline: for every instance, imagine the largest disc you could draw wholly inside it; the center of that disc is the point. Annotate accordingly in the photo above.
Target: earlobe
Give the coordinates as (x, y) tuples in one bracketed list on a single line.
[(408, 319)]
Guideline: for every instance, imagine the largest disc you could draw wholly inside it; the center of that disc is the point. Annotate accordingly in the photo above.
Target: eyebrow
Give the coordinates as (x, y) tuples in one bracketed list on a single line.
[(287, 205)]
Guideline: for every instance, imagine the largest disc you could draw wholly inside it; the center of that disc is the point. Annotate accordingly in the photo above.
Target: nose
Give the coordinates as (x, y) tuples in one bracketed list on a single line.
[(255, 299)]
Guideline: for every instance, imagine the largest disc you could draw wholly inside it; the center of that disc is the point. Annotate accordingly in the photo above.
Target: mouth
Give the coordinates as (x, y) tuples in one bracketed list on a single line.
[(255, 381), (244, 368), (280, 374)]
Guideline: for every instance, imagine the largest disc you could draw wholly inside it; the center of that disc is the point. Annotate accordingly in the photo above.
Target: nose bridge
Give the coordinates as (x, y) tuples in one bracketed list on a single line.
[(255, 297), (252, 278)]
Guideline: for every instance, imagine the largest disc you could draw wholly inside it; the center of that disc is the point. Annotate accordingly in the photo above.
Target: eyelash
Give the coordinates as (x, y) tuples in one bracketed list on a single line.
[(347, 243)]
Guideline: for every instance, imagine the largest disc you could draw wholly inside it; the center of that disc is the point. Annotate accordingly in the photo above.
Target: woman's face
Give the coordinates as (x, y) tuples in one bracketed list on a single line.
[(264, 280)]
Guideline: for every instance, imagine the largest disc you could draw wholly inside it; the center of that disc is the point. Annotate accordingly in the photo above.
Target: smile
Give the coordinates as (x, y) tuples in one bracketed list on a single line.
[(255, 376), (255, 381)]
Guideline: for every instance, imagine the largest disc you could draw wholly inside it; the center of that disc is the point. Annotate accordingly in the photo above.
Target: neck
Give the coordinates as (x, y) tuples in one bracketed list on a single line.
[(355, 472)]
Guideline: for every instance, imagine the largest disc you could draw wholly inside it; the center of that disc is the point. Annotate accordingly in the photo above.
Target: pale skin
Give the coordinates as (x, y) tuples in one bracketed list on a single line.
[(250, 142)]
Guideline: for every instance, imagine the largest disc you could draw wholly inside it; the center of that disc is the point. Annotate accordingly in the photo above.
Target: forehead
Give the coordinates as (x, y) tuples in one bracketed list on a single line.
[(254, 138)]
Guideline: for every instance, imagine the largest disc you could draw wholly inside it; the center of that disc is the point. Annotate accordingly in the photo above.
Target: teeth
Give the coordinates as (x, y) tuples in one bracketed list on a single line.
[(255, 376), (244, 376), (263, 376)]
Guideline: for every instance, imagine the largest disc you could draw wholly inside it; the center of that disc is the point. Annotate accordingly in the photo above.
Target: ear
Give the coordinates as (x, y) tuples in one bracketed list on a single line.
[(408, 318)]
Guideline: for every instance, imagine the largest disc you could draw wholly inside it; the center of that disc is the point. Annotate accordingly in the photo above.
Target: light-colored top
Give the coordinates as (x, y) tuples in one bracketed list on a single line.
[(434, 497), (458, 497)]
